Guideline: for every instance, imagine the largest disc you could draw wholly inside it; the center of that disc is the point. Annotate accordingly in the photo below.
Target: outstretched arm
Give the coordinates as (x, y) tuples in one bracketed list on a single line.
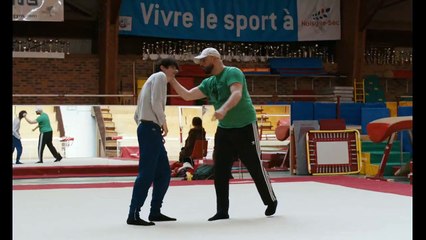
[(30, 121), (186, 94)]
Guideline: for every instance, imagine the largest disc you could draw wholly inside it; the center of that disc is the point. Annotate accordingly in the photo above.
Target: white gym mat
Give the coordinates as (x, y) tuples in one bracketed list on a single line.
[(306, 210)]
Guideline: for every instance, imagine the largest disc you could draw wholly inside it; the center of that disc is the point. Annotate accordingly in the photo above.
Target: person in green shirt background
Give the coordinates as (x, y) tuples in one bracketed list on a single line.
[(46, 135)]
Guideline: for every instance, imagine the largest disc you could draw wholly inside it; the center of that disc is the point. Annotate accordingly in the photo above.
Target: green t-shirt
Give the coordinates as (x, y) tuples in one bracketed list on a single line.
[(44, 123), (217, 89)]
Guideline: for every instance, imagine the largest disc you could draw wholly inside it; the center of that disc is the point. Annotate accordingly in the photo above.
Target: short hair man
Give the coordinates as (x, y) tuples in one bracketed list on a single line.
[(236, 135), (46, 135)]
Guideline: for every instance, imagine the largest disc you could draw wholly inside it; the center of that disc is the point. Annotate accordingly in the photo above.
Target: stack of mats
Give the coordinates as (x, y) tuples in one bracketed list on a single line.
[(373, 90), (405, 137), (346, 93), (372, 154)]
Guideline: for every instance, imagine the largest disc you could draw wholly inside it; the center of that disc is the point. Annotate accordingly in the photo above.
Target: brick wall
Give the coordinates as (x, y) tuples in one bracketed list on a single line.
[(79, 74), (72, 75), (393, 86)]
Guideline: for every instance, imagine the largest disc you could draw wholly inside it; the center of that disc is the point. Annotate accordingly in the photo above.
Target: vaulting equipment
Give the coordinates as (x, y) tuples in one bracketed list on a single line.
[(387, 128)]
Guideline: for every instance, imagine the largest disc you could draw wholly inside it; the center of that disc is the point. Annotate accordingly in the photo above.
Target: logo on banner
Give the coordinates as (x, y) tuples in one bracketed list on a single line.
[(279, 20), (51, 11), (321, 14), (125, 23), (320, 18), (38, 10)]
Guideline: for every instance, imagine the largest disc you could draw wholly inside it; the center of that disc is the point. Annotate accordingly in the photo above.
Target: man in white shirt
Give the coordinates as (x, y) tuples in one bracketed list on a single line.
[(16, 136)]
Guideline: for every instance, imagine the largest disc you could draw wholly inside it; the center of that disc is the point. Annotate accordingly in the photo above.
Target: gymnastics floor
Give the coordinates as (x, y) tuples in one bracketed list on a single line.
[(309, 207)]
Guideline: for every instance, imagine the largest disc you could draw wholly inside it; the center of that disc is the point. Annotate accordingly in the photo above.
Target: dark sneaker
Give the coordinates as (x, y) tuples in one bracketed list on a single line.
[(39, 162), (58, 158), (219, 216), (160, 218), (18, 162), (138, 221), (270, 210)]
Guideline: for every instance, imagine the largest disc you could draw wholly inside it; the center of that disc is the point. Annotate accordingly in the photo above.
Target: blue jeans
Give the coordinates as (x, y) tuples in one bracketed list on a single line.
[(154, 169), (18, 145)]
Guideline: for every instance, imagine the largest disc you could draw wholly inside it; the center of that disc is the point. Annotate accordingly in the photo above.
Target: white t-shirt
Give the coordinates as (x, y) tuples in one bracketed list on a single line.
[(15, 127), (152, 99)]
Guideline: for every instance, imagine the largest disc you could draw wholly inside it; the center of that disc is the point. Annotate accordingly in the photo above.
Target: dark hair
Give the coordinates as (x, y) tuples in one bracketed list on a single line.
[(166, 62), (21, 114), (197, 122)]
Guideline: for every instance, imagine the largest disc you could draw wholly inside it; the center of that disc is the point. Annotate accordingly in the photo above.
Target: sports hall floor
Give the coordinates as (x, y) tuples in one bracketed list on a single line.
[(309, 207)]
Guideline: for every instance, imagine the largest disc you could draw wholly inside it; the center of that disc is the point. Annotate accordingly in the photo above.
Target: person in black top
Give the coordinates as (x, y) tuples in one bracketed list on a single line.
[(196, 133)]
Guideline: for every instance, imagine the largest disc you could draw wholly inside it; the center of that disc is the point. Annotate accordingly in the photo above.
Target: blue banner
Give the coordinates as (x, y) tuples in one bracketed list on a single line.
[(220, 20)]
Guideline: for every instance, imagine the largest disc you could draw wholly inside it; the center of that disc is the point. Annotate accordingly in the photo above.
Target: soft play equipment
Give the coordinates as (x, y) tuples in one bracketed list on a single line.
[(298, 158), (282, 131)]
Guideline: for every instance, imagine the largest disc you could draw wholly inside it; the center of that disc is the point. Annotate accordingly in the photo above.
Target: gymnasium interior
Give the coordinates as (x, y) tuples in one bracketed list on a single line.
[(334, 110)]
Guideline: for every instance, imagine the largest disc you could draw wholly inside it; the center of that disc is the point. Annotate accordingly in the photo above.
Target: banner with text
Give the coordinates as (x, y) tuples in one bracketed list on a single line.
[(232, 20), (38, 10)]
